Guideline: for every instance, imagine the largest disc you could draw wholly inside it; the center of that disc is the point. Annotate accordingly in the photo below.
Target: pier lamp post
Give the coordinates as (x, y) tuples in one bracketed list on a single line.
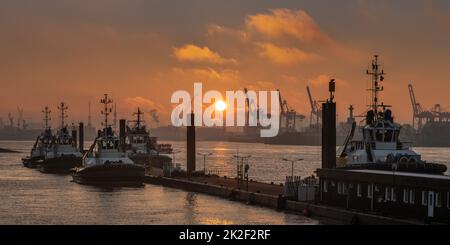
[(240, 162), (204, 155), (292, 162)]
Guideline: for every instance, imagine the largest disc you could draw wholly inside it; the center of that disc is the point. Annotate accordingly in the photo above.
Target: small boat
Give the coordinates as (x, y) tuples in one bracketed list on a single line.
[(106, 163), (64, 154), (379, 147), (144, 150), (42, 145)]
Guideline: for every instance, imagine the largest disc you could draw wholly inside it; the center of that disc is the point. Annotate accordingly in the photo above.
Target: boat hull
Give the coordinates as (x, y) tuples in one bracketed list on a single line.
[(154, 161), (110, 175), (32, 162), (61, 164)]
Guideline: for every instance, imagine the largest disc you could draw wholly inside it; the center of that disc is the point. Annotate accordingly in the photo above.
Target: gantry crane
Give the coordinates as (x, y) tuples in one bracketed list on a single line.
[(289, 114), (421, 116), (316, 111)]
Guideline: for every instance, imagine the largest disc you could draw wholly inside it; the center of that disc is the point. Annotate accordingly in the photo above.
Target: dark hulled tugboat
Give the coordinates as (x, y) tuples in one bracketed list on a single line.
[(42, 145), (63, 154), (145, 150), (376, 173), (105, 163)]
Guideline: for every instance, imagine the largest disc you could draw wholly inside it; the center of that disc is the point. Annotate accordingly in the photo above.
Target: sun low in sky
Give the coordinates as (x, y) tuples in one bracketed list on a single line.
[(129, 48), (220, 105)]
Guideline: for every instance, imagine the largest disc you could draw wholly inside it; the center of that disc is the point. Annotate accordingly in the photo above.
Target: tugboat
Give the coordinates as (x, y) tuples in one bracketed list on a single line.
[(145, 150), (380, 147), (64, 154), (42, 145), (106, 163)]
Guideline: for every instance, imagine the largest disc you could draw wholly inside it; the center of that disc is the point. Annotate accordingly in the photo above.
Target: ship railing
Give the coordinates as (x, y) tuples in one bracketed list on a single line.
[(216, 172), (91, 149), (404, 145), (358, 145)]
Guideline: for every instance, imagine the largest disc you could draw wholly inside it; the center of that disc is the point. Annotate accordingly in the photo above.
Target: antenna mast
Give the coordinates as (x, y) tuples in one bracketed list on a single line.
[(115, 116), (63, 107), (47, 118), (138, 115), (106, 110), (377, 77), (89, 116)]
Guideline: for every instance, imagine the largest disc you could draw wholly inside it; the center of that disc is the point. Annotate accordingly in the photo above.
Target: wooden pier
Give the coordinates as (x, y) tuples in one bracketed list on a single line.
[(271, 196)]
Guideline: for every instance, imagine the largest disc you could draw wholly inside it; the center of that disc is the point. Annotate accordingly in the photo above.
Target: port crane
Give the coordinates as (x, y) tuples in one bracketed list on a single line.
[(422, 116), (21, 123), (11, 120), (289, 114), (316, 111)]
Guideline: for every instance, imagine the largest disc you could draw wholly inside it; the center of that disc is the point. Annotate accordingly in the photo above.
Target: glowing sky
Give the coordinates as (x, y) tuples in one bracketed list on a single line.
[(140, 51)]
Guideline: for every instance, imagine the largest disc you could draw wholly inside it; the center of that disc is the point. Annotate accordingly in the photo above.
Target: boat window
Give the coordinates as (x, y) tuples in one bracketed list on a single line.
[(393, 195), (387, 194), (358, 190), (405, 195), (388, 135), (448, 199), (438, 200), (370, 191), (396, 135), (412, 197), (379, 135), (424, 198), (339, 188)]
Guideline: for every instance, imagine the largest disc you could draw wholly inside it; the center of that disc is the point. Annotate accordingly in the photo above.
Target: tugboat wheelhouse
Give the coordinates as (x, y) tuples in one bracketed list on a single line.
[(380, 174)]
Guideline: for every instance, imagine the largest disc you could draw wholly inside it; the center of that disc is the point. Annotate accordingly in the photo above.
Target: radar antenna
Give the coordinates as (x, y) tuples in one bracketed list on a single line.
[(47, 118), (63, 108), (377, 77), (107, 110), (138, 115)]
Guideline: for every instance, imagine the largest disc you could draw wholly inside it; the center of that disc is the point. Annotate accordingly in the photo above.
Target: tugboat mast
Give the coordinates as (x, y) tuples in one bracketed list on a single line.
[(107, 110), (47, 118), (63, 107), (377, 76), (138, 115)]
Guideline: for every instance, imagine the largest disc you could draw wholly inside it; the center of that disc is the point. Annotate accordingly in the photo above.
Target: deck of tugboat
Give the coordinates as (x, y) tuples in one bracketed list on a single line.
[(398, 173)]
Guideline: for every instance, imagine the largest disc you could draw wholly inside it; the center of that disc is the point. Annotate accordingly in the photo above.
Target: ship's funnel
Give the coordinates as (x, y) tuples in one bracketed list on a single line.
[(122, 133), (81, 137)]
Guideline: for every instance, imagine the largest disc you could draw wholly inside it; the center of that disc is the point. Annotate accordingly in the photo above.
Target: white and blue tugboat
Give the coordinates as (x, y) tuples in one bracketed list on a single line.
[(42, 145), (144, 150), (106, 163), (63, 154), (379, 146)]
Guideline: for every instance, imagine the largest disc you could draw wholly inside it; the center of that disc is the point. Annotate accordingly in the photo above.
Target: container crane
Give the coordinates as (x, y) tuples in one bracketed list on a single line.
[(316, 111), (421, 116), (288, 113)]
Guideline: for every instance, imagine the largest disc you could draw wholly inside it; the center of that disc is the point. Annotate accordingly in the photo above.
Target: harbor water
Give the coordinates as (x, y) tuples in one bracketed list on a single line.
[(30, 197)]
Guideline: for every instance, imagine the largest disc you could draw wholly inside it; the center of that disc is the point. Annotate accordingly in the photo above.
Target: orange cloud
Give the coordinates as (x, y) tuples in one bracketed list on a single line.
[(194, 53), (209, 74), (142, 102), (284, 22), (285, 55)]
